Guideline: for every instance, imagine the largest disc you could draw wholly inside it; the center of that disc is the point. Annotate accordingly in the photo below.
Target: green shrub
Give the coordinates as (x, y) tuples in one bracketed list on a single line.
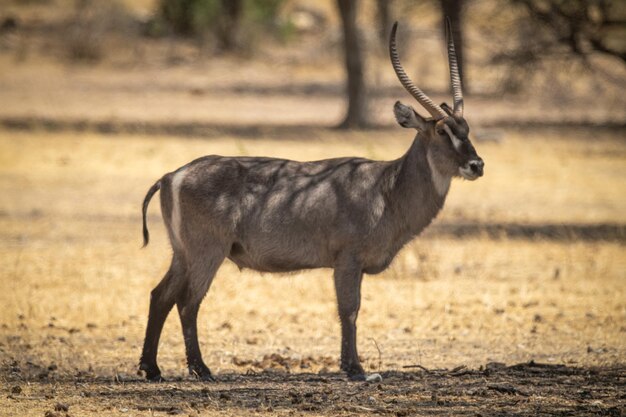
[(201, 17)]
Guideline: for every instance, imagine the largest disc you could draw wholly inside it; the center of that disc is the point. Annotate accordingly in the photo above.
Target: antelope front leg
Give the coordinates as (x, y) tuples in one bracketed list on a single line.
[(348, 278)]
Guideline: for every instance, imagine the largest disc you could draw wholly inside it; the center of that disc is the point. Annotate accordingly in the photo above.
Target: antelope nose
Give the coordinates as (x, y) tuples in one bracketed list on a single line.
[(477, 166)]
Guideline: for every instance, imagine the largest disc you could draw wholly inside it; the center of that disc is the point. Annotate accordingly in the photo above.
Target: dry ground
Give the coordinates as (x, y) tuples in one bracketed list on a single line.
[(465, 303)]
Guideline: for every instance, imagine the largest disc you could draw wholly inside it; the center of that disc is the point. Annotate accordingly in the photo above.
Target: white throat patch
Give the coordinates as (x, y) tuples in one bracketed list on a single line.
[(440, 181)]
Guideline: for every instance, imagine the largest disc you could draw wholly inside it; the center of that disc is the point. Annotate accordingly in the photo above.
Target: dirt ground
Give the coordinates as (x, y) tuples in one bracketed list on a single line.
[(520, 390)]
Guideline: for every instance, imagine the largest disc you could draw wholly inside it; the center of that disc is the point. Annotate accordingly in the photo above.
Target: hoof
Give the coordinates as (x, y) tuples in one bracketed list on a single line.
[(207, 377), (202, 374), (151, 373), (357, 377), (155, 378)]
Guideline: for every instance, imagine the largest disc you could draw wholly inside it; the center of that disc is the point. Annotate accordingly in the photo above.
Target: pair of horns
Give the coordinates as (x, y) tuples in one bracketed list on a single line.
[(455, 80)]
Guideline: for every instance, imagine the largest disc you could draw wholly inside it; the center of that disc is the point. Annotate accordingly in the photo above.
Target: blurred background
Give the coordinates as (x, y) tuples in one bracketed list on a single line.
[(207, 61), (98, 99)]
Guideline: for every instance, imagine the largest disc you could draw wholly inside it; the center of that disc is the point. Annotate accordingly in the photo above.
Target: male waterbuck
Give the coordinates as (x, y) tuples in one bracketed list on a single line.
[(276, 215)]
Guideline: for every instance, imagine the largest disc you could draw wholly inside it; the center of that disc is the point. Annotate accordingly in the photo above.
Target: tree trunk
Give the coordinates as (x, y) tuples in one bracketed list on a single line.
[(384, 21), (228, 24), (178, 14), (356, 116), (453, 9)]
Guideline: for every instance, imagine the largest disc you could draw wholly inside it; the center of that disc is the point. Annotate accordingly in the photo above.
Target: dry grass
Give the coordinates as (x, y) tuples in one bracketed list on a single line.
[(74, 284)]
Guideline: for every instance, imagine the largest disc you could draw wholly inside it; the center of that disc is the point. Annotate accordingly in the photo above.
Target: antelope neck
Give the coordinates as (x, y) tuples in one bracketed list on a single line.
[(419, 187)]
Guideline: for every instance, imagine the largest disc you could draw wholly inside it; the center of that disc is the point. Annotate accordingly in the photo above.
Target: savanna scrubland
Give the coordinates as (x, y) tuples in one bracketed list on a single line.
[(513, 302)]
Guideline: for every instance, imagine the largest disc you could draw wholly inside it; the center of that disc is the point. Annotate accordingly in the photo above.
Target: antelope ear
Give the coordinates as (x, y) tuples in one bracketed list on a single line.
[(407, 117), (446, 108)]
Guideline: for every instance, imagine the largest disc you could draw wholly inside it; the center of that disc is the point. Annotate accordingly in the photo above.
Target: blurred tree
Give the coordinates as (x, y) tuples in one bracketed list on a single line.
[(178, 14), (384, 21), (222, 18), (228, 25), (583, 25), (544, 37), (356, 116), (453, 10)]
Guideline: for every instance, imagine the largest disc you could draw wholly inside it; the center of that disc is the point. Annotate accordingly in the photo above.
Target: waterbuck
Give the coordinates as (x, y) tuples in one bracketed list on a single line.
[(276, 215)]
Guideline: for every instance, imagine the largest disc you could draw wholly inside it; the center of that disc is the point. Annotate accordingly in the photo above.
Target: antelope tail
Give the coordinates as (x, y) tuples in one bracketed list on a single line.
[(146, 201)]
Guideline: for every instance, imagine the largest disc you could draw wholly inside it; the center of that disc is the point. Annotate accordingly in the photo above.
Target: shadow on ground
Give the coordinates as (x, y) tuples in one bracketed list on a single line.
[(298, 131), (612, 232)]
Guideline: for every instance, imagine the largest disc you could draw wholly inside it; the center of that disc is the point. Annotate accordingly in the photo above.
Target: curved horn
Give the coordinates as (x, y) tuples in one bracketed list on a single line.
[(436, 111), (455, 78)]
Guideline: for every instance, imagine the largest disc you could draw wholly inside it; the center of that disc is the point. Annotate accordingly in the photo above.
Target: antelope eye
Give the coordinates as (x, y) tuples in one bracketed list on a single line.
[(440, 132)]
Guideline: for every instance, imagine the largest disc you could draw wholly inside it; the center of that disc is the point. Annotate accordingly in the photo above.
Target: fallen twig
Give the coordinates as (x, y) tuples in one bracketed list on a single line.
[(26, 397), (506, 389), (163, 408), (428, 371), (460, 371), (380, 354)]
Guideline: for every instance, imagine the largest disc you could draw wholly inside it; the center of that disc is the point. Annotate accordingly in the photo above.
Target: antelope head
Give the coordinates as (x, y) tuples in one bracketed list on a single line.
[(446, 133)]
